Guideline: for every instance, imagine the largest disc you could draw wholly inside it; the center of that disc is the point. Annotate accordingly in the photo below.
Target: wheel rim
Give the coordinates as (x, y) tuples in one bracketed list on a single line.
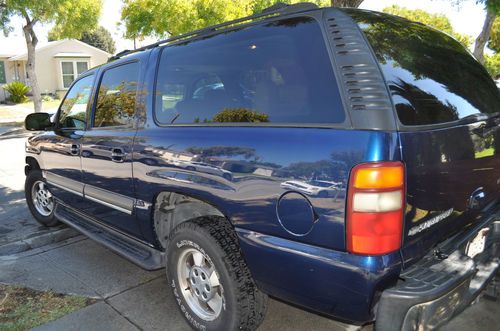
[(199, 284), (42, 198)]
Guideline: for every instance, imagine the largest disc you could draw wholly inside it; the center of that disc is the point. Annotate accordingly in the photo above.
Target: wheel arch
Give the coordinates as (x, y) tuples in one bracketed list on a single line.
[(31, 164), (171, 208)]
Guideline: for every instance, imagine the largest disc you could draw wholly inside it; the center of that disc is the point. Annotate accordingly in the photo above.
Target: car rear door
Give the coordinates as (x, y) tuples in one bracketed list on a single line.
[(107, 148)]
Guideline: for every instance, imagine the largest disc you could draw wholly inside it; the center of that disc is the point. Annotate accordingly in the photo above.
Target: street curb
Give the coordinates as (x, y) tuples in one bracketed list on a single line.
[(28, 244)]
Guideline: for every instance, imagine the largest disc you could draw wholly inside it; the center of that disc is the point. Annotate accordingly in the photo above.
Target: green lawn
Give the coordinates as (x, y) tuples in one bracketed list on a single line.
[(23, 308)]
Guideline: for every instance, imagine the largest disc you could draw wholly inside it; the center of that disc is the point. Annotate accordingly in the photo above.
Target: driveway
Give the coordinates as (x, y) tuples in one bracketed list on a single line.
[(129, 298)]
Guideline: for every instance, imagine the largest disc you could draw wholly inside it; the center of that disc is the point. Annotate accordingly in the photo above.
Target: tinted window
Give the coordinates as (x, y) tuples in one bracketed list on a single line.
[(116, 97), (279, 72), (432, 77), (74, 107)]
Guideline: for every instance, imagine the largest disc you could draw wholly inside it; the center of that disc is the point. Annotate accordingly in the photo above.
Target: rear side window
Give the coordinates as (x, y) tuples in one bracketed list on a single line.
[(432, 78), (279, 72), (116, 97)]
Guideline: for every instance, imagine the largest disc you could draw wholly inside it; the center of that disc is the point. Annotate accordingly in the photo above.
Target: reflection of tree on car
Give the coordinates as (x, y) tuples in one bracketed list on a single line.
[(236, 115), (117, 103), (78, 105)]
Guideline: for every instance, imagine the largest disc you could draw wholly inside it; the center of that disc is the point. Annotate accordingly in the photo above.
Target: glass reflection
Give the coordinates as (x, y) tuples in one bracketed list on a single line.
[(432, 77)]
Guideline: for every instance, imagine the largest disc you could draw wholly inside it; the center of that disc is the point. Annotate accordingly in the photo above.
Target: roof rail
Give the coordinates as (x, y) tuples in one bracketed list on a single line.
[(274, 10)]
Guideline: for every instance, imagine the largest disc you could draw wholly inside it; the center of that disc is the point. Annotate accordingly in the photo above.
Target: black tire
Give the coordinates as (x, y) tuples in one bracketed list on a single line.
[(33, 177), (244, 306)]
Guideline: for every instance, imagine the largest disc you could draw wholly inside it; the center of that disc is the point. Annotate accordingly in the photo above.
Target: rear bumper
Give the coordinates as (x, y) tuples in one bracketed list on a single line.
[(440, 286), (332, 283)]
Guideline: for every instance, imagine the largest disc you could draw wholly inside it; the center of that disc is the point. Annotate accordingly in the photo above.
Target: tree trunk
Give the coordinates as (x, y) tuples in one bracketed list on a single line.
[(31, 42), (483, 37), (346, 3)]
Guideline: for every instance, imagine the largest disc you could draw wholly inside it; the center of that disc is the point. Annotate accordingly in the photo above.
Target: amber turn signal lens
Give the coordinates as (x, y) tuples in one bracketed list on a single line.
[(379, 177)]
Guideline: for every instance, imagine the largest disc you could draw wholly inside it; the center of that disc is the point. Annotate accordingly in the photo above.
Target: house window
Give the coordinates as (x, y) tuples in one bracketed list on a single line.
[(2, 73), (71, 69)]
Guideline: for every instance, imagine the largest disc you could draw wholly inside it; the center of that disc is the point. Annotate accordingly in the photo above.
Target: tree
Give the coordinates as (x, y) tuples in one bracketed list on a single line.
[(492, 64), (492, 11), (438, 21), (100, 38), (346, 3), (494, 41), (71, 19), (174, 17)]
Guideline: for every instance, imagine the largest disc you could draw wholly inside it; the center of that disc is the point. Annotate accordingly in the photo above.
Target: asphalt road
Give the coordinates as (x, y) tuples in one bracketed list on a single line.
[(129, 298)]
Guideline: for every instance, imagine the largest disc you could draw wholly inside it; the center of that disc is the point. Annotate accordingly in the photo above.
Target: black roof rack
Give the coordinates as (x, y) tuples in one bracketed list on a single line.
[(276, 9)]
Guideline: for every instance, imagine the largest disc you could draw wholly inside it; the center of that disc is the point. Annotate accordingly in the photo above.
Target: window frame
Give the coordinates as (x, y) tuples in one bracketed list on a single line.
[(89, 103), (90, 125), (75, 70), (318, 18)]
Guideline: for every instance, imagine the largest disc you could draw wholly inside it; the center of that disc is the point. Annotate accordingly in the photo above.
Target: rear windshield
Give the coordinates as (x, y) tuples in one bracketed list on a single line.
[(432, 78), (278, 72)]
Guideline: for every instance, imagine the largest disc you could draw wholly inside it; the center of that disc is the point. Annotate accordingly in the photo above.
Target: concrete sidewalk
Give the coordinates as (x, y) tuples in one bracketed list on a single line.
[(133, 299), (129, 297)]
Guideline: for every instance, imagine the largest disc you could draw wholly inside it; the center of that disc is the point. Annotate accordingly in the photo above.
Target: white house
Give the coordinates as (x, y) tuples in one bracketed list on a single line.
[(58, 63)]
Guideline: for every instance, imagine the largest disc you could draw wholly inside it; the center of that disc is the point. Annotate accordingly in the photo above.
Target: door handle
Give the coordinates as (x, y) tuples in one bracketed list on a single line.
[(75, 149), (118, 155)]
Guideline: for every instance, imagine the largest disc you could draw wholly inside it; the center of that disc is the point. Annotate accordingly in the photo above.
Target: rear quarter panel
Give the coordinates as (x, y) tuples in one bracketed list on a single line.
[(259, 161)]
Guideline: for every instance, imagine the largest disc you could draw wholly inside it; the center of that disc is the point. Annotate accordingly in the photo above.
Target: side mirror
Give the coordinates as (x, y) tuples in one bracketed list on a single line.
[(37, 122)]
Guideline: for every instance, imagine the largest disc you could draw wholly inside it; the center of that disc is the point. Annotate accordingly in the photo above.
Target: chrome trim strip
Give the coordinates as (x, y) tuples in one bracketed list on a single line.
[(65, 183), (120, 202), (107, 198), (64, 188), (107, 204)]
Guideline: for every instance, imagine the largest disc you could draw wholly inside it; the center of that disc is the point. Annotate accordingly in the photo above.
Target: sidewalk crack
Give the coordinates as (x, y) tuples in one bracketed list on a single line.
[(122, 315)]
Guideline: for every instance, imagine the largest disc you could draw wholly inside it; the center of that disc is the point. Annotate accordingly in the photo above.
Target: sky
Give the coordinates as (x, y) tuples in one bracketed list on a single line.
[(466, 19)]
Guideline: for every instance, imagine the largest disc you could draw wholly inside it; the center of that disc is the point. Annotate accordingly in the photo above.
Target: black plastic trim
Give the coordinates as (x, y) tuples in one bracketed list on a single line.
[(362, 84), (136, 251)]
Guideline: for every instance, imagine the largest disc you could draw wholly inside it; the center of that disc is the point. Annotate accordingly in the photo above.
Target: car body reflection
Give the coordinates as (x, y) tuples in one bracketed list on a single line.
[(317, 188)]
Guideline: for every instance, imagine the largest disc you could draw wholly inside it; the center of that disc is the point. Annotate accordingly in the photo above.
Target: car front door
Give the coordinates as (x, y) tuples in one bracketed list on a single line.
[(61, 149), (107, 149)]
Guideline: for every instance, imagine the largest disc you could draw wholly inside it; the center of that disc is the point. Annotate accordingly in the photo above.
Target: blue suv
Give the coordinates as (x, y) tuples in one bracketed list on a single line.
[(341, 160)]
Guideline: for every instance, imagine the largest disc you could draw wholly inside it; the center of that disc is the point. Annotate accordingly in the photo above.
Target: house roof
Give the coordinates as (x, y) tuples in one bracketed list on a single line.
[(67, 54), (23, 55)]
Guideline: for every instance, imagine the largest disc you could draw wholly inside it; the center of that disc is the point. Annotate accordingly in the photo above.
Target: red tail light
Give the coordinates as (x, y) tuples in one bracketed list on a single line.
[(375, 208)]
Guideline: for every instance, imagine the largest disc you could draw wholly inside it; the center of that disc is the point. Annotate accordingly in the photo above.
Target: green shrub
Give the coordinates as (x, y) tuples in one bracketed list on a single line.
[(17, 91)]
